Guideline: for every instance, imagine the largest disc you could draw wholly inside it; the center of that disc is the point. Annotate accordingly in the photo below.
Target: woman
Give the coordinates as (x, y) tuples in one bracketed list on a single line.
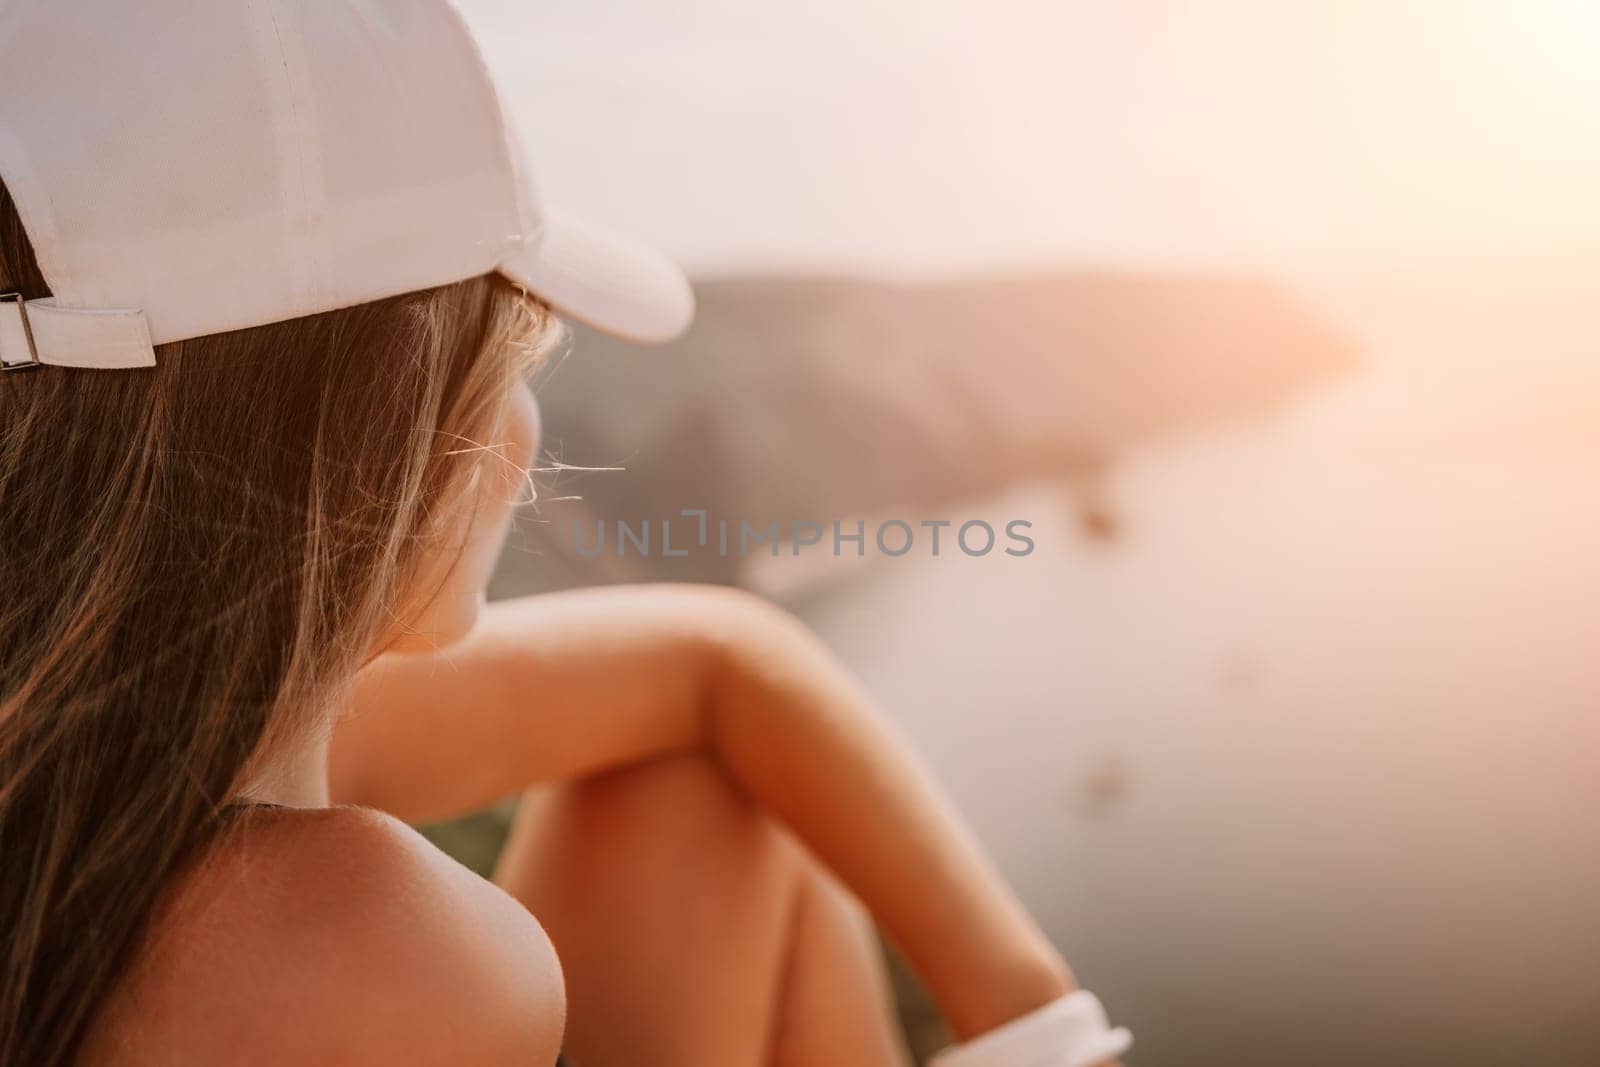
[(273, 265)]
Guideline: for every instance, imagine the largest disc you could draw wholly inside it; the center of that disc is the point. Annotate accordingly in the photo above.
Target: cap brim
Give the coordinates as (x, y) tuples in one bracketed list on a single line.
[(613, 284)]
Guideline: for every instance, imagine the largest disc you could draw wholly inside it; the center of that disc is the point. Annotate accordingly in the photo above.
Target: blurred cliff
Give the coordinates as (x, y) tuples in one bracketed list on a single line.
[(821, 399)]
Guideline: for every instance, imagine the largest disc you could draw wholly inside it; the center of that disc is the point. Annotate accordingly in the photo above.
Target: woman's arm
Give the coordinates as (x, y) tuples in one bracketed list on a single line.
[(564, 686)]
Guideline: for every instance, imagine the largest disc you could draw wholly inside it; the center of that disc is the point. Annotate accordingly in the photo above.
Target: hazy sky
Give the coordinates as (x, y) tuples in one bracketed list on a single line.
[(928, 135)]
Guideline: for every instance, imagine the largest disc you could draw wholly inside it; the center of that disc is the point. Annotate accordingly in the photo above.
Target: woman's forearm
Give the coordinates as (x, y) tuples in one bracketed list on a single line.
[(798, 733)]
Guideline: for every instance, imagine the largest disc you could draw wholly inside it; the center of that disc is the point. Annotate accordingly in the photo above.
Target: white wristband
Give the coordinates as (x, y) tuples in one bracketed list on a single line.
[(1070, 1032)]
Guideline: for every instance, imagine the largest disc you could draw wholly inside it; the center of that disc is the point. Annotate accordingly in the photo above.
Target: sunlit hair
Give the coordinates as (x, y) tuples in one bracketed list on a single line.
[(194, 561)]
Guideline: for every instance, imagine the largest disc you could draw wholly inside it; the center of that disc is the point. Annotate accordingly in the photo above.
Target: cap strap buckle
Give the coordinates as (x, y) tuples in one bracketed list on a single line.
[(37, 333), (17, 350)]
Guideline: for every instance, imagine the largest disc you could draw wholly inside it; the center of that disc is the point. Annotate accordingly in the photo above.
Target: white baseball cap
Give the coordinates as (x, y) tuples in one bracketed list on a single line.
[(190, 167)]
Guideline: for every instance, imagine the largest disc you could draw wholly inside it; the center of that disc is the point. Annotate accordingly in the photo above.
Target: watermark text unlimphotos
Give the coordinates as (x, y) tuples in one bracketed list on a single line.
[(695, 530)]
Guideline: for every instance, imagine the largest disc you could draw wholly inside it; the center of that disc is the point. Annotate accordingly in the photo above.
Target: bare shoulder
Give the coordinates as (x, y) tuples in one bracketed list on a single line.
[(337, 936)]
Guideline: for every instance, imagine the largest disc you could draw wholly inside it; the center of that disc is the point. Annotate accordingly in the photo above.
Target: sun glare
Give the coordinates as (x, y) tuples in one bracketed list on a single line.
[(1563, 35)]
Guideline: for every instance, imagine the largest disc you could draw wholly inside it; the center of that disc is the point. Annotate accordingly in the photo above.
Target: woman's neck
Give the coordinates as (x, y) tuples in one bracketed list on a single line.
[(293, 776)]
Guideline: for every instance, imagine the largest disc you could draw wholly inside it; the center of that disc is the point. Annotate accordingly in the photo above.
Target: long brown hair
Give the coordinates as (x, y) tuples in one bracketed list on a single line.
[(194, 559)]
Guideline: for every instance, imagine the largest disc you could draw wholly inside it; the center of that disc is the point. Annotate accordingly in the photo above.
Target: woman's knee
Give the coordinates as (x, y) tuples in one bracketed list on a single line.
[(673, 821), (691, 922), (675, 790)]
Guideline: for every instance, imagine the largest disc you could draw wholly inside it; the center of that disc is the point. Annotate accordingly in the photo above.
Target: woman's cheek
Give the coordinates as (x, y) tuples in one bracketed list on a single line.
[(525, 428), (505, 487), (502, 484)]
